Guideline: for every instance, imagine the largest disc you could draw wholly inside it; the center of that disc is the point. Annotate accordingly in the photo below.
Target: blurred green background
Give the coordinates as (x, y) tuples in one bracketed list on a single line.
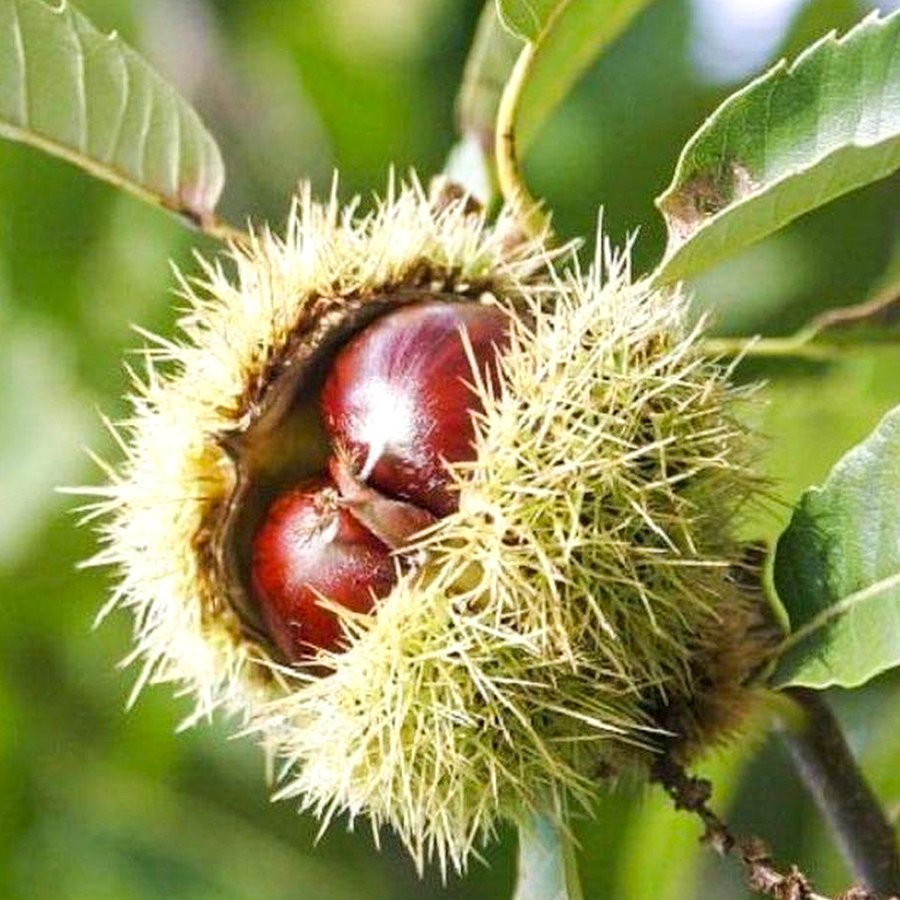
[(96, 803)]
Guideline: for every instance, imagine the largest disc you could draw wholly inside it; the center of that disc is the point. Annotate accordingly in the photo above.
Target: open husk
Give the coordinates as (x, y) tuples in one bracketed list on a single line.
[(577, 613)]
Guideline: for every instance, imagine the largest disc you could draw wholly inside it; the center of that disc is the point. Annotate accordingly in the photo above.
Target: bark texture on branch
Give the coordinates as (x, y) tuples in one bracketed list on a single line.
[(692, 795)]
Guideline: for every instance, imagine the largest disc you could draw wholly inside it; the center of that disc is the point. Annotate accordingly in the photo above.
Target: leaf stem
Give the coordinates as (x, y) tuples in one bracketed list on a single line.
[(532, 218), (845, 799), (214, 227), (796, 345)]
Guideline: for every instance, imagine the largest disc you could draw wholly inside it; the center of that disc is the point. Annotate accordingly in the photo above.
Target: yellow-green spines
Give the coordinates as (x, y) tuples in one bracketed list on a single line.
[(196, 391), (582, 589)]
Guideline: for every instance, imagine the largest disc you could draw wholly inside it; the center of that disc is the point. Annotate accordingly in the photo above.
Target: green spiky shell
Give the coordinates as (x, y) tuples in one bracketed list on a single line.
[(576, 612)]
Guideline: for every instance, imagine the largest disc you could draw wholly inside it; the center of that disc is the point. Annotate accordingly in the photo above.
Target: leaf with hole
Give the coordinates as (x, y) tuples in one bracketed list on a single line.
[(89, 98), (794, 139), (837, 570)]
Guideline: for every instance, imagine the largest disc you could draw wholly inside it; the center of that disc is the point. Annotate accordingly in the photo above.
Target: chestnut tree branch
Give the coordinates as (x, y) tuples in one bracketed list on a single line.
[(692, 795), (844, 798)]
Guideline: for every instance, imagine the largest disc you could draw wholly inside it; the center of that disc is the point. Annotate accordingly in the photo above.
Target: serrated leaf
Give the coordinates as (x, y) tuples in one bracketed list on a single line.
[(90, 99), (837, 570), (789, 142), (547, 869), (578, 32)]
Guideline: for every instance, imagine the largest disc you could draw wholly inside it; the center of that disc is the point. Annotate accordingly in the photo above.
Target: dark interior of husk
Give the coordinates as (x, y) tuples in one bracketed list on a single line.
[(281, 439)]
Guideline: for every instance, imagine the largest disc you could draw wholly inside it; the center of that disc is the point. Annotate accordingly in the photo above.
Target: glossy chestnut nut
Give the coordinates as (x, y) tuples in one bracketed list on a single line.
[(399, 399), (311, 547)]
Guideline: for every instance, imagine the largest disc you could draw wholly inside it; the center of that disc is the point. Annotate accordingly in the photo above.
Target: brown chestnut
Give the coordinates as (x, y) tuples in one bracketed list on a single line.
[(399, 399), (310, 547)]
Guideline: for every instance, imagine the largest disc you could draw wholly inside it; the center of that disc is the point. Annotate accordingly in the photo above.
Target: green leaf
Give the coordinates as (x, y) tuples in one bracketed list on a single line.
[(88, 98), (577, 36), (570, 35), (491, 59), (787, 143), (837, 570), (527, 18), (547, 869)]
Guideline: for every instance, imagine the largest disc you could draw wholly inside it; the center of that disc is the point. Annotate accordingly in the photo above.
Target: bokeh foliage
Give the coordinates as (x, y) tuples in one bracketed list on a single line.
[(95, 803)]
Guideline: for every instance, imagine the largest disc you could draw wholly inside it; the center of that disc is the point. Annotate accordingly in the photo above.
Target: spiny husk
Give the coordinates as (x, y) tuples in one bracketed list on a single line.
[(195, 392), (583, 586), (581, 592)]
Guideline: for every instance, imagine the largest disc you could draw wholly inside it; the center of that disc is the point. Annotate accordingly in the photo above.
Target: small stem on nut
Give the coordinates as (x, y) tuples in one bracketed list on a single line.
[(831, 775), (393, 522)]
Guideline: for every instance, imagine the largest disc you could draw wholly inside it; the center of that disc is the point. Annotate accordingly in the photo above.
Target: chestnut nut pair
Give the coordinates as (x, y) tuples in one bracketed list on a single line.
[(397, 406)]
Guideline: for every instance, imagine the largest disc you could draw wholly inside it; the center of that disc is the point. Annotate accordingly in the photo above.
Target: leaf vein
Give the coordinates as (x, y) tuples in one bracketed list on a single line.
[(143, 135), (842, 607), (176, 148), (119, 121), (80, 89), (21, 59)]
